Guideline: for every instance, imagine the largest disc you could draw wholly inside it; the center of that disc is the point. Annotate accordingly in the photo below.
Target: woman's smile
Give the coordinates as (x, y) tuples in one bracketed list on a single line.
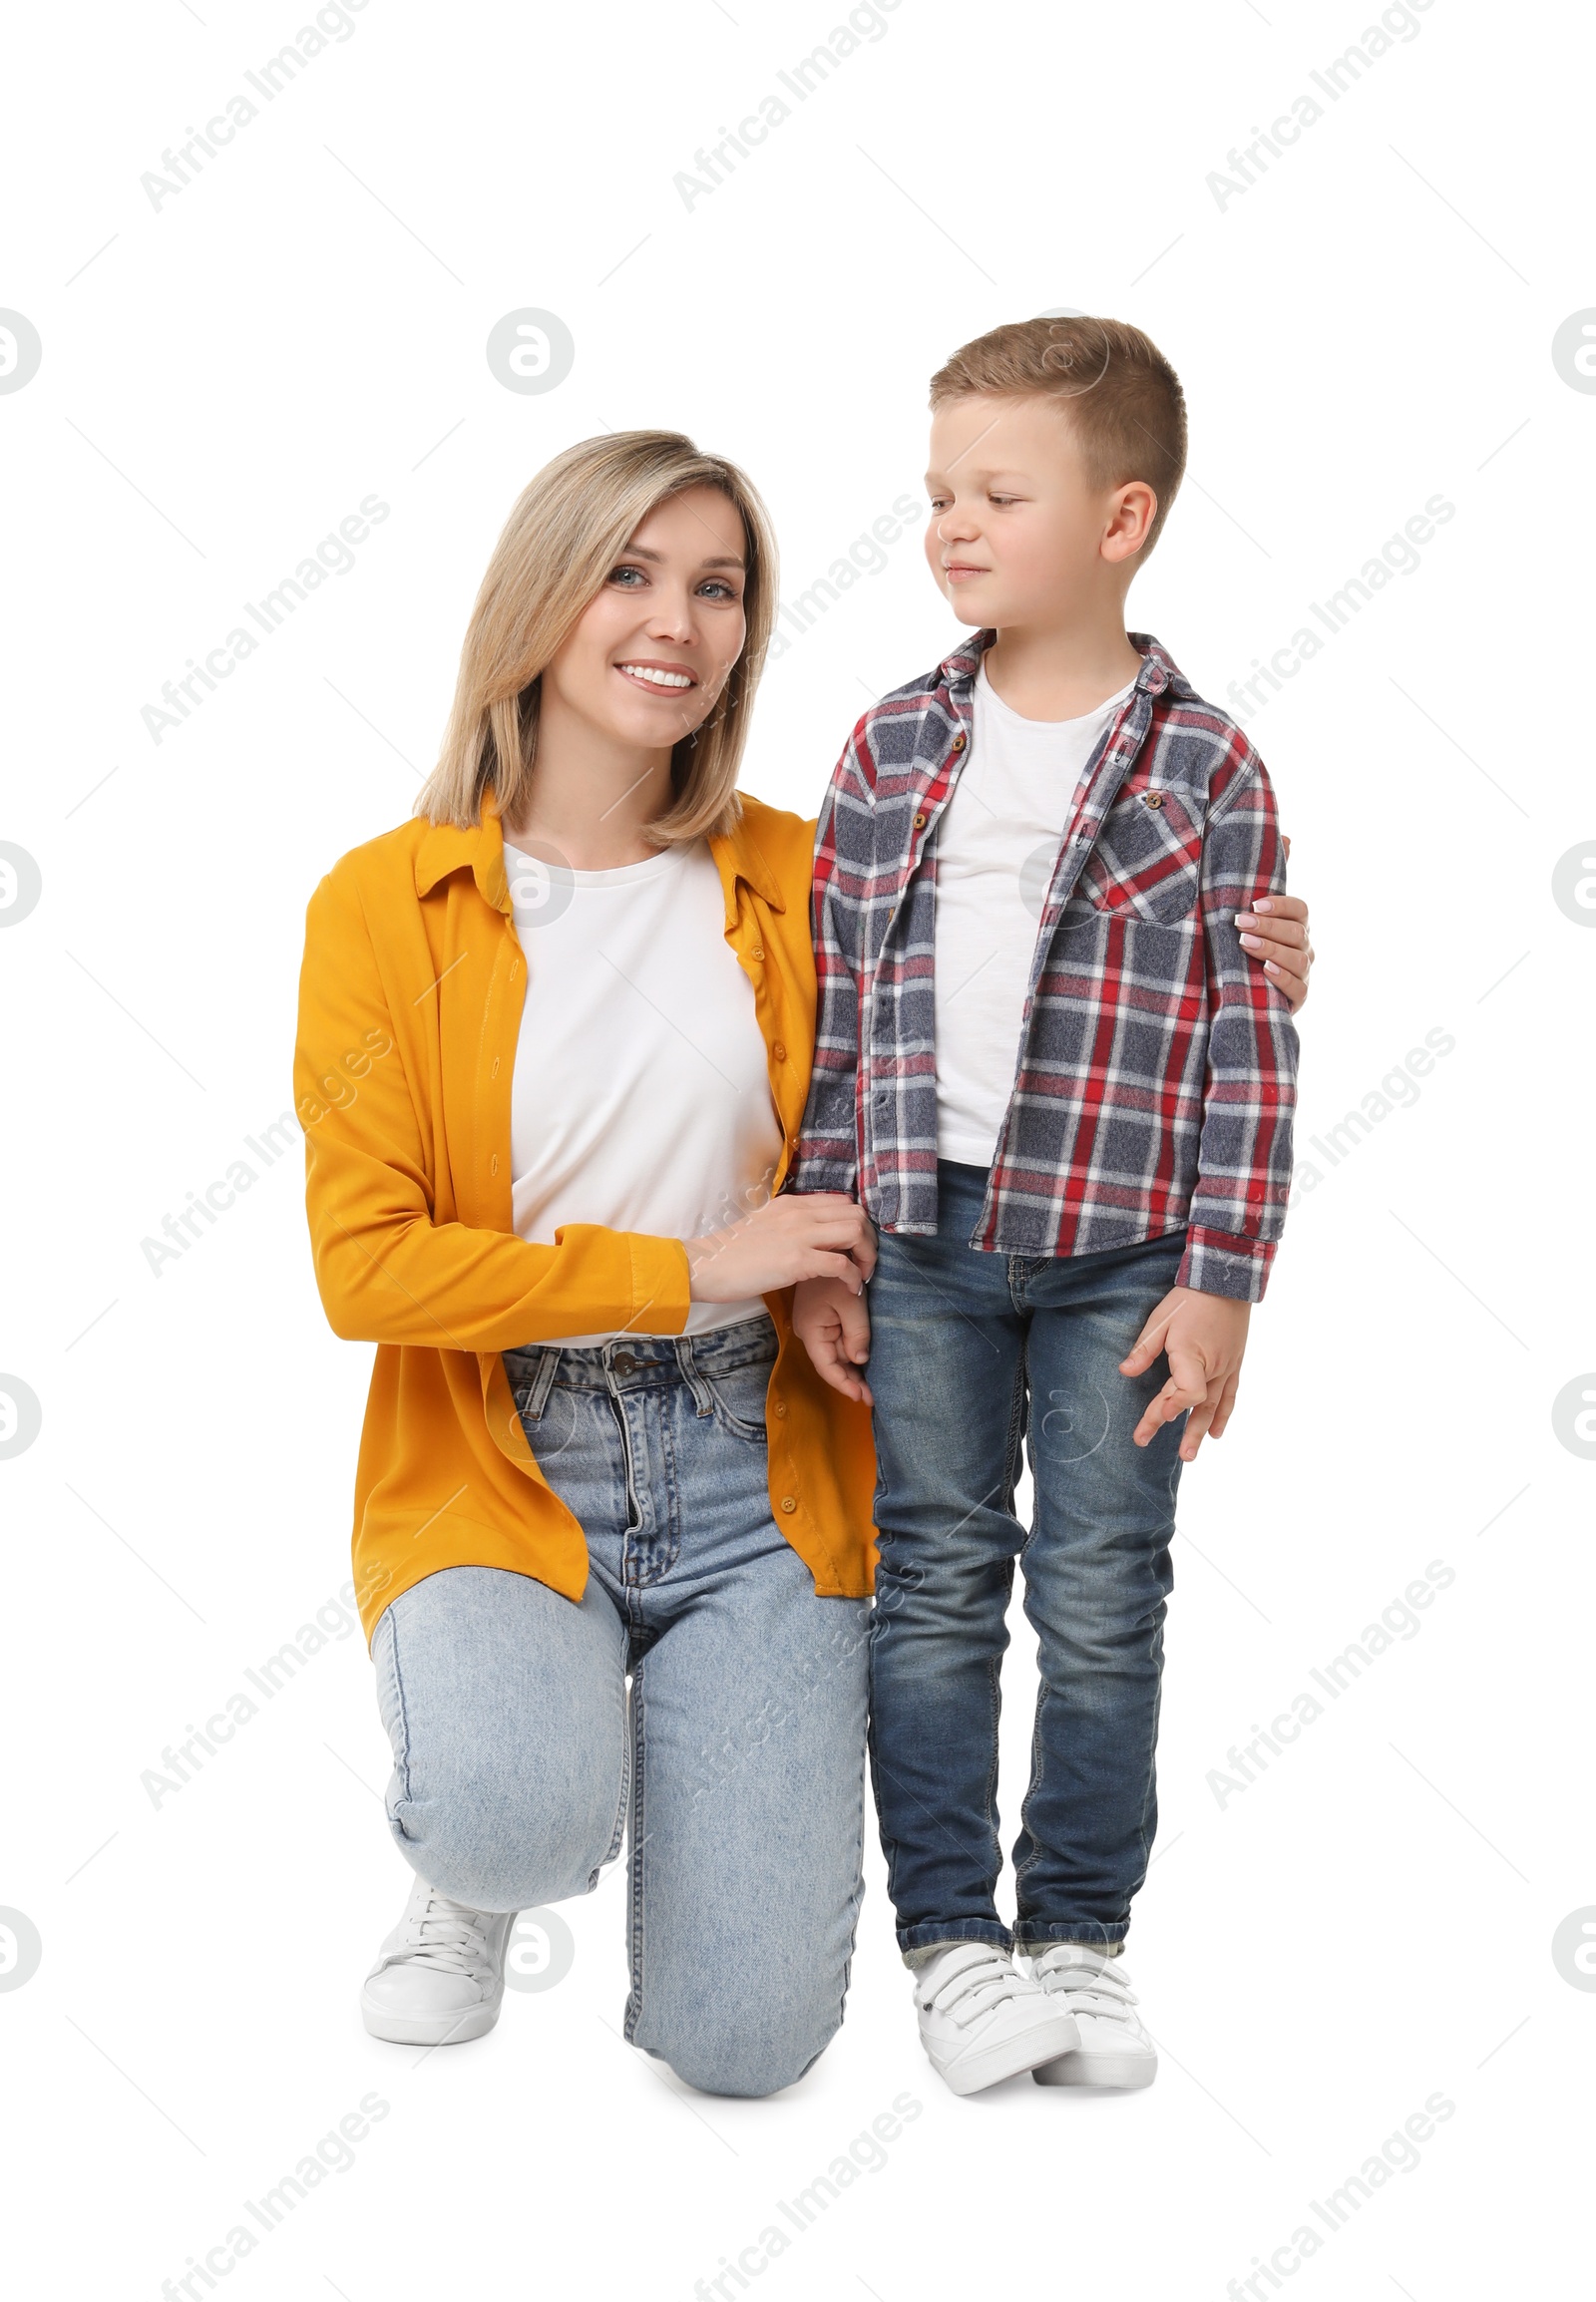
[(649, 672)]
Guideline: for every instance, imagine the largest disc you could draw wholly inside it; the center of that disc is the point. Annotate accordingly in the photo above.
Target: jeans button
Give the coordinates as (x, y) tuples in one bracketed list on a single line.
[(623, 1363)]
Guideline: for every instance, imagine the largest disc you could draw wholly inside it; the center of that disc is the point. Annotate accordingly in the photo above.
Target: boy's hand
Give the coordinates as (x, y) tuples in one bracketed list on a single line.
[(1204, 1336), (833, 1326)]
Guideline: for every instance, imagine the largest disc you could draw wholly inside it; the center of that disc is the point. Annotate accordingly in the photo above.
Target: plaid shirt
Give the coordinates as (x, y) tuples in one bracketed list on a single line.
[(1156, 1071)]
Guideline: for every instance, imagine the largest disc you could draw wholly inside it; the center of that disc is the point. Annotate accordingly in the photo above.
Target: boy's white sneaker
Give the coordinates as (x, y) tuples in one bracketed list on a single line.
[(982, 2020), (440, 1975), (1114, 2049)]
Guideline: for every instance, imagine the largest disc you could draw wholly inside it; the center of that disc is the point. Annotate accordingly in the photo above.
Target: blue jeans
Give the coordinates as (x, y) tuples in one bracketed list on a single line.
[(737, 1765), (970, 1352)]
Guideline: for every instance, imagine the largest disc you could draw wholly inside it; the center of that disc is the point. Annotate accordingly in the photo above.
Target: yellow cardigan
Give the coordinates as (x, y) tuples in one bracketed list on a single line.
[(410, 1002)]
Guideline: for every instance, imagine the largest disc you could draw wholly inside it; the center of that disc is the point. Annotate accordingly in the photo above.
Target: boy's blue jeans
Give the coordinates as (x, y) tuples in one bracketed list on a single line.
[(970, 1352)]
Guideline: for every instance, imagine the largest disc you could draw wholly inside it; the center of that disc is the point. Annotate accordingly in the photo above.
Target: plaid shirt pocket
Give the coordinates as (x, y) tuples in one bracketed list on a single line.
[(1146, 862)]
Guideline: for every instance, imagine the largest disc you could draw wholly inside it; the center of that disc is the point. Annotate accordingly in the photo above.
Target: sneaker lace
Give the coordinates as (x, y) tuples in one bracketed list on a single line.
[(449, 1937), (1090, 1990), (977, 1987)]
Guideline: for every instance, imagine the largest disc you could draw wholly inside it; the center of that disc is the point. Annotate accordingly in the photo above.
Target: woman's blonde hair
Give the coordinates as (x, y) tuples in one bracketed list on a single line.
[(570, 526)]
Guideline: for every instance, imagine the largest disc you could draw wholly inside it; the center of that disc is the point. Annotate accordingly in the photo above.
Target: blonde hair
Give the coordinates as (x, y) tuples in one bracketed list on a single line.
[(566, 531), (1117, 390)]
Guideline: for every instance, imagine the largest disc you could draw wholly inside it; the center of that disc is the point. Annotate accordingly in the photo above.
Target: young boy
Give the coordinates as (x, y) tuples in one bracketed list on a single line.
[(1053, 1078)]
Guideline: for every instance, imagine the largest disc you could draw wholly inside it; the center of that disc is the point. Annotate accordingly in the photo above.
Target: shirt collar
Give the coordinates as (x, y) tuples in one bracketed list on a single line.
[(739, 856), (1159, 671), (480, 847)]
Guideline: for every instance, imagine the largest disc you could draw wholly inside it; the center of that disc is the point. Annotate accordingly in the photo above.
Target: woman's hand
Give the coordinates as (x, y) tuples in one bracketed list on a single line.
[(1275, 932), (801, 1235)]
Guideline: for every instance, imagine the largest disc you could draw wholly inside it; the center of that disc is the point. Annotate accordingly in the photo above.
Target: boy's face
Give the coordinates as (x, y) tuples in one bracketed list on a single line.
[(1018, 533)]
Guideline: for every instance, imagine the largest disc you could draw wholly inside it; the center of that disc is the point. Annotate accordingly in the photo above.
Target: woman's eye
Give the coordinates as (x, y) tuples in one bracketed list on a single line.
[(714, 589), (622, 575)]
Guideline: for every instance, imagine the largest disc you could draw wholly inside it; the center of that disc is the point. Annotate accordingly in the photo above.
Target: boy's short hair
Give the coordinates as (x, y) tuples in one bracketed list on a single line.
[(1122, 397)]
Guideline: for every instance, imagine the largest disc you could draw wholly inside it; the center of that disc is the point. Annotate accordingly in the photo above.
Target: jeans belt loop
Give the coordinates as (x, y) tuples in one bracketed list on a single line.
[(534, 1396), (693, 1377)]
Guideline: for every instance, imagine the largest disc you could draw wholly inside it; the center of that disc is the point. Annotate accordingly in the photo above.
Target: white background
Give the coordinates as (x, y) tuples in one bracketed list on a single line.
[(224, 378)]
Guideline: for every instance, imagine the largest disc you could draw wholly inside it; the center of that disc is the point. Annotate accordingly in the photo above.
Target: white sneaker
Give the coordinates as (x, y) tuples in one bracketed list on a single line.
[(1114, 2049), (440, 1975), (982, 2021)]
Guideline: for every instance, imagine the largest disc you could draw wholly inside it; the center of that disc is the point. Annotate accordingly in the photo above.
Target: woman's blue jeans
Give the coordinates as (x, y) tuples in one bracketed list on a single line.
[(736, 1764), (970, 1352)]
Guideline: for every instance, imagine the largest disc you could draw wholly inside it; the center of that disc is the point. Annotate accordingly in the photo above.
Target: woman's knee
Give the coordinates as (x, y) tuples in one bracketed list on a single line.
[(505, 1710), (742, 2067), (751, 2046), (505, 1844)]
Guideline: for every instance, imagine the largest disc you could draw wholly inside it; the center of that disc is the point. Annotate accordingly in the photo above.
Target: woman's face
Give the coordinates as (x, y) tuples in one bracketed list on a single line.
[(649, 657)]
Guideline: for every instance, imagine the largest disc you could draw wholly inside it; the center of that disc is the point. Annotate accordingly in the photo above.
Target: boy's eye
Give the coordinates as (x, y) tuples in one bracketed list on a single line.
[(1006, 498)]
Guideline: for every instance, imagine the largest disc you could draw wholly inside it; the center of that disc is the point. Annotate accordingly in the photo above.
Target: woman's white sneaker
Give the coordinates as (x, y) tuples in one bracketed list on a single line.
[(440, 1975), (1114, 2049), (982, 2021)]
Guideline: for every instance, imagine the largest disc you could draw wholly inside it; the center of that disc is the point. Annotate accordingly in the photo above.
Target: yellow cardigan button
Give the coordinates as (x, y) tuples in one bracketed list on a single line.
[(789, 1502)]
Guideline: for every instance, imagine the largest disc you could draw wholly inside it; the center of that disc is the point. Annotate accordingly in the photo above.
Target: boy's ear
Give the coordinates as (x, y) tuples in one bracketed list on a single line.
[(1134, 509)]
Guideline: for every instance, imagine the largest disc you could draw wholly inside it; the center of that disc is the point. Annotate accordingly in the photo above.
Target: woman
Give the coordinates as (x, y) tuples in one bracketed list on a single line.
[(553, 1047)]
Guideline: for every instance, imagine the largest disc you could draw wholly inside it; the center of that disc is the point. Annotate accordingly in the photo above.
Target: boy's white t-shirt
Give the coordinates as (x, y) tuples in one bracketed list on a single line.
[(997, 844), (640, 1096)]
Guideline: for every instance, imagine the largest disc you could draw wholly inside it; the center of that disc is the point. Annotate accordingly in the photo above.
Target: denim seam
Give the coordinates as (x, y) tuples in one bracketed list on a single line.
[(623, 1800), (855, 1902), (924, 1936), (670, 1481), (1024, 1869), (889, 1843), (1014, 1461), (995, 1682), (634, 1505), (705, 1383), (640, 1840), (1149, 1805), (1095, 1933), (752, 1435), (402, 1753)]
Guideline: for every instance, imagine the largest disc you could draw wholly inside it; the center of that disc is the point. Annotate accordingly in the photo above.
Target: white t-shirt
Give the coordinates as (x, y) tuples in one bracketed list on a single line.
[(997, 844), (641, 1098)]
